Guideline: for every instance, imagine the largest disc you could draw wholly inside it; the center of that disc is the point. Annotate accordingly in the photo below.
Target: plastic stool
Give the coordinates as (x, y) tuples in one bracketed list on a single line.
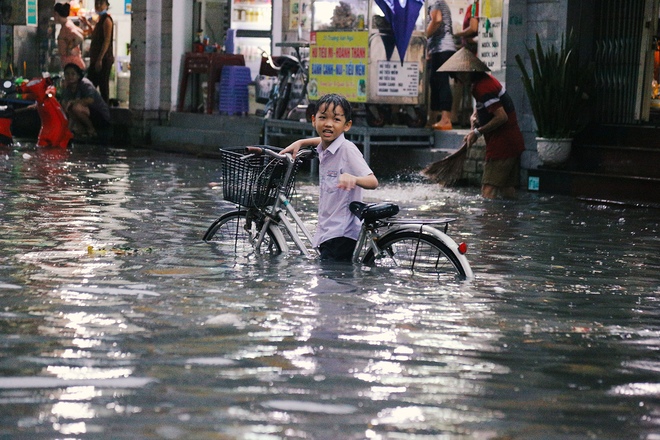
[(234, 96), (218, 62)]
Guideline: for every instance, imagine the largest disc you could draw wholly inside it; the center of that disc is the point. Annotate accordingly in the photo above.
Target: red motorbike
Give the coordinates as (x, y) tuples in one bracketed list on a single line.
[(54, 130), (6, 113)]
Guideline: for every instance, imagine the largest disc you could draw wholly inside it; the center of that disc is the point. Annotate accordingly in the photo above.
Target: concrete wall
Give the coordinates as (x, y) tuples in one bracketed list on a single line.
[(526, 18)]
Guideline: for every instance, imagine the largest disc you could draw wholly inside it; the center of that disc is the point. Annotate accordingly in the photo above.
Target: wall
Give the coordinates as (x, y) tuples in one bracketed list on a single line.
[(527, 18)]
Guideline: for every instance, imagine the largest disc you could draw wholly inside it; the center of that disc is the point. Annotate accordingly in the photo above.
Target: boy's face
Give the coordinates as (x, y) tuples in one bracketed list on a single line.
[(330, 122)]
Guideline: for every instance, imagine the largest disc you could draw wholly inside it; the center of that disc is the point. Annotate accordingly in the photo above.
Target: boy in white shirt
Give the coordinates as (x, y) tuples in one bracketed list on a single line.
[(343, 173)]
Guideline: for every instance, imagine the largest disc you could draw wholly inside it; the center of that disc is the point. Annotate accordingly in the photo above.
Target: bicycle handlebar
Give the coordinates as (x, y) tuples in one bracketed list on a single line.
[(270, 151)]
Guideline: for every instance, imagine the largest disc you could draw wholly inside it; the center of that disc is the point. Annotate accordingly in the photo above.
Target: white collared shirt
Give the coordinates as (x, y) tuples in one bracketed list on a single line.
[(335, 219)]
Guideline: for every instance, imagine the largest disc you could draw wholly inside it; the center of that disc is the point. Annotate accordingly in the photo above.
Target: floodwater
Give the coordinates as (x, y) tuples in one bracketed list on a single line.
[(118, 322)]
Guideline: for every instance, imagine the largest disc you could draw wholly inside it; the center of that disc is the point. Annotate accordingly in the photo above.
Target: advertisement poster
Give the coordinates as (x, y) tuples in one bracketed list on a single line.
[(299, 15), (338, 64)]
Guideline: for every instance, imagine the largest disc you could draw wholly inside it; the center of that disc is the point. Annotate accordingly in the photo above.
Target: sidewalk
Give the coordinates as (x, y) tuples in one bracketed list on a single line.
[(390, 148)]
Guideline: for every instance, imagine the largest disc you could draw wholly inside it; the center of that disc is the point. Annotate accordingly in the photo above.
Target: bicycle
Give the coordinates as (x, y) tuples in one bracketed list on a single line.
[(288, 96), (260, 183)]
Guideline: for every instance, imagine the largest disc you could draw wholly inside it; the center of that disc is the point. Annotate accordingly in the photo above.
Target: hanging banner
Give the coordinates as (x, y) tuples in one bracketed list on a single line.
[(338, 64)]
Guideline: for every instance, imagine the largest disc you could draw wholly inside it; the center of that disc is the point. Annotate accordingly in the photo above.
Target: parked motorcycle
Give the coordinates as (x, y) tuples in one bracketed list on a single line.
[(54, 130), (6, 112)]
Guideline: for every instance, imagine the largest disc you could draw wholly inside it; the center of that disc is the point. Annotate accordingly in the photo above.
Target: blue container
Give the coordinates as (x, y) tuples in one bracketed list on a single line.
[(234, 96)]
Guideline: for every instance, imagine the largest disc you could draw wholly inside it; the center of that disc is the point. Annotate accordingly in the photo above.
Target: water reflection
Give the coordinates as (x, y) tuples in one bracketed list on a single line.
[(117, 320)]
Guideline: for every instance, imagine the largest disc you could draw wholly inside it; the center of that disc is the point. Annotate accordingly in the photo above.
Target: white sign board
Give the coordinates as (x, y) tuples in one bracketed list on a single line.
[(395, 79), (490, 43)]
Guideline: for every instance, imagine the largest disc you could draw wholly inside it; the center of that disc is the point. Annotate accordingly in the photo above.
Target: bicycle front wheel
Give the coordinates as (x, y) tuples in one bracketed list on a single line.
[(416, 253), (233, 230)]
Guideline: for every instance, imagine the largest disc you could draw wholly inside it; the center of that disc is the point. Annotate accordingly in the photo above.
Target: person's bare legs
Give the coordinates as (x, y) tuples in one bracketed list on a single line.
[(488, 191), (491, 192), (434, 115), (445, 118), (508, 192), (80, 113)]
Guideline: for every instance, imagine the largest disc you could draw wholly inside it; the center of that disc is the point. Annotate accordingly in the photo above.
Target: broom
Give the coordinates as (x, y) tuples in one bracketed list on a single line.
[(448, 170)]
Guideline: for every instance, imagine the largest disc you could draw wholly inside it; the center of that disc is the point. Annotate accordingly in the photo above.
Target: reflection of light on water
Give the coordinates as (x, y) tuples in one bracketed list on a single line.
[(375, 371), (73, 410), (379, 335), (384, 392), (74, 354), (86, 343), (74, 373), (302, 358), (312, 407), (80, 393), (410, 414), (70, 428), (637, 389)]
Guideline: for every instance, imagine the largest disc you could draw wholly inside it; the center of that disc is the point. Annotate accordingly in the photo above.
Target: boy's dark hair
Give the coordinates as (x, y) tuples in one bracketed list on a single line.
[(336, 100)]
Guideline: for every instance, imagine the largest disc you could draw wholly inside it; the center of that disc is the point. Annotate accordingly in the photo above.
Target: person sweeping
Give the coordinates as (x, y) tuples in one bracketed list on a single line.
[(495, 119)]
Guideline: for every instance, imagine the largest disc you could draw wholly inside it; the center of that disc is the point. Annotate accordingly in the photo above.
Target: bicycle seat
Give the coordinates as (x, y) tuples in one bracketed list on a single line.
[(373, 211), (286, 62)]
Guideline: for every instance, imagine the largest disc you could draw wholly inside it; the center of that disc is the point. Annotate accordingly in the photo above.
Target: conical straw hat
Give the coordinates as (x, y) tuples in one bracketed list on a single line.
[(463, 61)]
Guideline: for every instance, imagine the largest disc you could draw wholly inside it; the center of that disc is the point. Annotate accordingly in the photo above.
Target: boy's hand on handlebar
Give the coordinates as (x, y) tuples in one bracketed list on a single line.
[(301, 143), (293, 148)]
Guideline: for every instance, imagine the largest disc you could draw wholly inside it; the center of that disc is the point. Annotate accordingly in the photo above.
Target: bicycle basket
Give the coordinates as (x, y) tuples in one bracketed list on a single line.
[(254, 180)]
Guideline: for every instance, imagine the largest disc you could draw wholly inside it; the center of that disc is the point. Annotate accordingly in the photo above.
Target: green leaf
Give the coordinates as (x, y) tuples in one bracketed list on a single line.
[(558, 88)]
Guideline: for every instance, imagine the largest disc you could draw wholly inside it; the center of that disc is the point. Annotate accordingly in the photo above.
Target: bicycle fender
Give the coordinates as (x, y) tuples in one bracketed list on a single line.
[(444, 238), (277, 233)]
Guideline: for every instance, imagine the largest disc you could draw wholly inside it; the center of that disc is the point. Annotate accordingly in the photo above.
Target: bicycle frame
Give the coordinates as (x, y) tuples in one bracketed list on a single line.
[(276, 214)]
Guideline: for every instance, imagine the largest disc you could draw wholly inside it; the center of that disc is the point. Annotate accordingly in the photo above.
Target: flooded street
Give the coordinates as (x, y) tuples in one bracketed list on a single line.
[(118, 322)]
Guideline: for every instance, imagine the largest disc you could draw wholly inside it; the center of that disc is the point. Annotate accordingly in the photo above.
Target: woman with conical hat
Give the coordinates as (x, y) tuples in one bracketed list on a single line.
[(495, 119)]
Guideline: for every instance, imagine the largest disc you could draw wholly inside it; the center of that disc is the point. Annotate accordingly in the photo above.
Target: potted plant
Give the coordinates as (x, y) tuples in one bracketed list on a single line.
[(558, 91)]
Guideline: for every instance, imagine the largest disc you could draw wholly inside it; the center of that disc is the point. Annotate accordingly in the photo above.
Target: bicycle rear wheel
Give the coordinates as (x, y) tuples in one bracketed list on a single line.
[(416, 253), (232, 230), (282, 101)]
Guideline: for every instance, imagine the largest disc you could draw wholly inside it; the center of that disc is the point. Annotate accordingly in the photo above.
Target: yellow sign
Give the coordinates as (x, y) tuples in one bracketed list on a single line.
[(338, 64)]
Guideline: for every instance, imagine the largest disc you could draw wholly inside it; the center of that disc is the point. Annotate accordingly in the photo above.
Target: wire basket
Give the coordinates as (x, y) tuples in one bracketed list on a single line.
[(254, 180)]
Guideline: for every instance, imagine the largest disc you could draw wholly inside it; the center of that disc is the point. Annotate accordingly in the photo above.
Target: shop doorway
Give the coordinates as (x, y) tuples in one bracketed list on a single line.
[(654, 107), (625, 51)]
